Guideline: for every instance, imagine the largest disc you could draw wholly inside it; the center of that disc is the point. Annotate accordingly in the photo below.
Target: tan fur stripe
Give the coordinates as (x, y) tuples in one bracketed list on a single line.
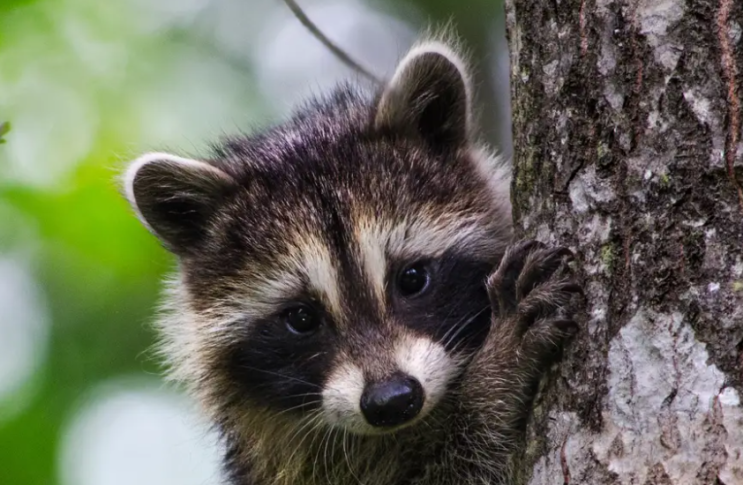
[(424, 237), (308, 261), (314, 259)]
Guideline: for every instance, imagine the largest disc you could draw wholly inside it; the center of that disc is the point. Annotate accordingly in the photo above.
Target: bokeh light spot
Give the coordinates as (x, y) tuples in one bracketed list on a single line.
[(24, 331), (134, 432)]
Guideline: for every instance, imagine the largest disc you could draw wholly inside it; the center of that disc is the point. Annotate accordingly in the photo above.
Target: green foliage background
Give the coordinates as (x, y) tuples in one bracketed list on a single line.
[(84, 83)]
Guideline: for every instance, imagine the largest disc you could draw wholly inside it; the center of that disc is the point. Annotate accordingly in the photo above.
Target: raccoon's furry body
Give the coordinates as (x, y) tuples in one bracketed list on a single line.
[(347, 309)]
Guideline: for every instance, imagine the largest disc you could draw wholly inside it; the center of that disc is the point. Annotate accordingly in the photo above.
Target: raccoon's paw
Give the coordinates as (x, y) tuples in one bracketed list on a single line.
[(533, 290)]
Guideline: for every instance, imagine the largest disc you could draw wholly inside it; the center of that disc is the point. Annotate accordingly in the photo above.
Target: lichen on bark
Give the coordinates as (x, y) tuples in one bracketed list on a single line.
[(627, 149)]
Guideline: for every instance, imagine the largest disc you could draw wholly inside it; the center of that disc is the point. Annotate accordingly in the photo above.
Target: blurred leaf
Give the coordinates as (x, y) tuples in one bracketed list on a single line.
[(4, 129)]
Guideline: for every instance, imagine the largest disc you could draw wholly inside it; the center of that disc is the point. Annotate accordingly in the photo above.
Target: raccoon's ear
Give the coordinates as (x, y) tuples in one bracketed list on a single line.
[(175, 197), (429, 94)]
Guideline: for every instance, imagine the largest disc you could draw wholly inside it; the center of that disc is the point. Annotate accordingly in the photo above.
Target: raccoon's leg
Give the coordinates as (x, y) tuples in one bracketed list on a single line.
[(531, 293)]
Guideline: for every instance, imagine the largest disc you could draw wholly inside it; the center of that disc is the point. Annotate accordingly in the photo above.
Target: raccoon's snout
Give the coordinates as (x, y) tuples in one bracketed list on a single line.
[(392, 402), (357, 398)]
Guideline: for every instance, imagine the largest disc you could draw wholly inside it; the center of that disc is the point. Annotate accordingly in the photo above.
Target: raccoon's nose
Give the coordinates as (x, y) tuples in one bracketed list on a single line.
[(392, 402)]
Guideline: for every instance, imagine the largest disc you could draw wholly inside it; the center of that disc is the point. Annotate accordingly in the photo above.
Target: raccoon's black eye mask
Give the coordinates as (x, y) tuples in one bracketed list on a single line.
[(451, 304)]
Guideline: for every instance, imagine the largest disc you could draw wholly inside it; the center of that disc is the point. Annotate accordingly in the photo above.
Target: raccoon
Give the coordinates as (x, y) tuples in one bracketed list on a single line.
[(349, 305)]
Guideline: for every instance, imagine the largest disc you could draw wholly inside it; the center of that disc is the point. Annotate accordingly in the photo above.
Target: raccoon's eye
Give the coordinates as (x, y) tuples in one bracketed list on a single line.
[(413, 280), (301, 319)]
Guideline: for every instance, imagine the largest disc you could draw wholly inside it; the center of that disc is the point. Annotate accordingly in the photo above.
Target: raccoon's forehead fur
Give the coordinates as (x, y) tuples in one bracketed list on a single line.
[(326, 209)]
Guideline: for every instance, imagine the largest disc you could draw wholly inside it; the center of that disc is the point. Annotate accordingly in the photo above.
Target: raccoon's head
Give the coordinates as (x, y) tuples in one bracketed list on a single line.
[(333, 267)]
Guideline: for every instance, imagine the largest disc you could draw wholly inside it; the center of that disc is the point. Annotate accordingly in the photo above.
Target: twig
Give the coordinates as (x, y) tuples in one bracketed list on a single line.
[(337, 51)]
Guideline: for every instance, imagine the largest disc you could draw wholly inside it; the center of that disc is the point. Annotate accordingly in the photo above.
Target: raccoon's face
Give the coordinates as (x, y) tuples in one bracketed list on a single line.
[(334, 267)]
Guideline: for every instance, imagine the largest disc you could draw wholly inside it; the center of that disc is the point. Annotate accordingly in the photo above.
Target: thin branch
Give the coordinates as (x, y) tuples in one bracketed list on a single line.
[(337, 51)]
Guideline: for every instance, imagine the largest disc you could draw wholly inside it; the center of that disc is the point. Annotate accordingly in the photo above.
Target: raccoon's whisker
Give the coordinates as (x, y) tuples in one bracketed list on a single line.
[(455, 327), (316, 451), (451, 330), (299, 429), (296, 433), (333, 441), (448, 315), (456, 348), (298, 406), (333, 454), (316, 355), (316, 432), (278, 374), (354, 443), (326, 441), (308, 427), (348, 461), (464, 326)]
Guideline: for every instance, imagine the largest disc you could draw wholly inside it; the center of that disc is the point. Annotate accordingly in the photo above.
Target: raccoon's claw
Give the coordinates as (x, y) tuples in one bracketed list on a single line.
[(539, 266), (533, 290), (502, 283)]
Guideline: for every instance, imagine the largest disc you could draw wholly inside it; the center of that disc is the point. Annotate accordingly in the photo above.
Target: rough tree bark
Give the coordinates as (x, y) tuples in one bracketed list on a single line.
[(627, 138)]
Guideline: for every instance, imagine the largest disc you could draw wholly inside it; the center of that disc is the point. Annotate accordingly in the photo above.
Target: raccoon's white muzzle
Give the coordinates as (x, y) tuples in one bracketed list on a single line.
[(407, 394)]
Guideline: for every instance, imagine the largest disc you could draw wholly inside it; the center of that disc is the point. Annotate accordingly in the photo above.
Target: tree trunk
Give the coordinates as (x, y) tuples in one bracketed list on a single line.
[(627, 140)]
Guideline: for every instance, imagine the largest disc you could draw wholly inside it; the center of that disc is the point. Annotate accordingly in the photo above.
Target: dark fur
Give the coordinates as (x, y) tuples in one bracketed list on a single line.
[(404, 155)]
